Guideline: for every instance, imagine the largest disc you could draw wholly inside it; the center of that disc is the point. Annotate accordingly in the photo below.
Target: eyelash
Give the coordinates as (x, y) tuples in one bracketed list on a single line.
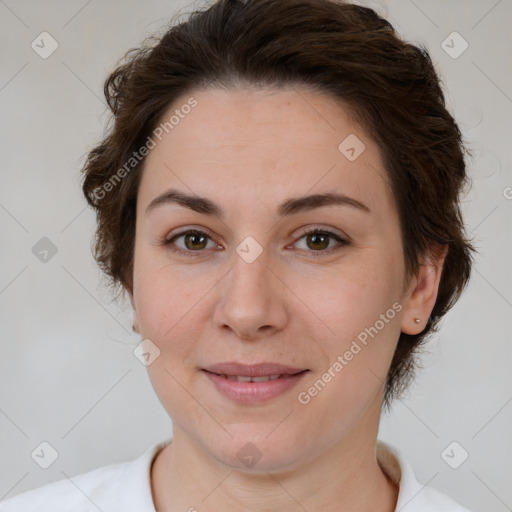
[(310, 231)]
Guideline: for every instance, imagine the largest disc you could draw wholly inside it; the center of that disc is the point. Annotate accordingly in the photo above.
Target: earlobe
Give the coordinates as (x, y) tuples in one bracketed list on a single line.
[(135, 321), (422, 294)]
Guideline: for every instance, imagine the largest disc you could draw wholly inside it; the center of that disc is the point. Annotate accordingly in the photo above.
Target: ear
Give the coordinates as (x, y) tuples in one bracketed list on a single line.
[(135, 318), (421, 295)]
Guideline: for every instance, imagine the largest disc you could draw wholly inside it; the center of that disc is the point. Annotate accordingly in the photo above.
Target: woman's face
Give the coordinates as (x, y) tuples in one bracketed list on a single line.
[(254, 289)]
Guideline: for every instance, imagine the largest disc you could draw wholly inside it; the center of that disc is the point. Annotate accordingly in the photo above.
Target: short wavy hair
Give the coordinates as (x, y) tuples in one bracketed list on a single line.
[(345, 50)]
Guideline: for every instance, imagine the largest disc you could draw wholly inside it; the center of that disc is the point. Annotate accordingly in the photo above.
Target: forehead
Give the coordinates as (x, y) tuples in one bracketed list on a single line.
[(254, 144)]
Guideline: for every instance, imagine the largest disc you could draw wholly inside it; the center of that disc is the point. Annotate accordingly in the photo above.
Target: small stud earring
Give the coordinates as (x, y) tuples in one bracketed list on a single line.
[(417, 321)]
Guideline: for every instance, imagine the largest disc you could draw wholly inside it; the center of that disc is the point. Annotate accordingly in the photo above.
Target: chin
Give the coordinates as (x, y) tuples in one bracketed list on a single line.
[(250, 451)]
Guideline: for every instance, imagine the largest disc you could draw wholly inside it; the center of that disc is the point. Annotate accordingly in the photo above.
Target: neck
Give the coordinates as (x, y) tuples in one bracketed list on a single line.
[(345, 478)]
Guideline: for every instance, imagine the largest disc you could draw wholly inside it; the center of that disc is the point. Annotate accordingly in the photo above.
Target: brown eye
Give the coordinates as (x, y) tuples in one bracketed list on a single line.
[(195, 241), (318, 241), (190, 243)]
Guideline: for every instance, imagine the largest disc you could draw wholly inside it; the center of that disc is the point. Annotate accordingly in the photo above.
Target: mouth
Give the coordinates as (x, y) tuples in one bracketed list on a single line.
[(263, 378), (248, 384)]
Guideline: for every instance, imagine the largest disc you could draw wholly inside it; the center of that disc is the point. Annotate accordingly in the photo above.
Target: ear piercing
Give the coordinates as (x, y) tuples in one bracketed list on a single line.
[(417, 321)]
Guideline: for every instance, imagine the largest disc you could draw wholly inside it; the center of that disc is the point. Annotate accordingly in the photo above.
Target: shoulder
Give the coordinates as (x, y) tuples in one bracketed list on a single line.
[(123, 486), (435, 501), (78, 493), (413, 496)]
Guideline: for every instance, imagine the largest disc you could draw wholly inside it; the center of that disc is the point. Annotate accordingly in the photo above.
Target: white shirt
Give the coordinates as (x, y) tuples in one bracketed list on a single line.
[(126, 487)]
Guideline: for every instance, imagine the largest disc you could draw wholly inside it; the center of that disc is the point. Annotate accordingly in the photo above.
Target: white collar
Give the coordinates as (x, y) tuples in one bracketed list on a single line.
[(126, 486)]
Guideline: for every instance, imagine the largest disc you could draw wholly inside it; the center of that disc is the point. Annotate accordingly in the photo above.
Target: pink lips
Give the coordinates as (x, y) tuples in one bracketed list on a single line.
[(247, 384)]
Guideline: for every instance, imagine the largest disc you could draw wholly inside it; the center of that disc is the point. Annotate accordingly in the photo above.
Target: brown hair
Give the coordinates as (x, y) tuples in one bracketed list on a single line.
[(345, 50)]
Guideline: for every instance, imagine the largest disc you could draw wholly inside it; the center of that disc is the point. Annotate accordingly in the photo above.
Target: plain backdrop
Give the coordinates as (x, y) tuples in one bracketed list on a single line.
[(68, 375)]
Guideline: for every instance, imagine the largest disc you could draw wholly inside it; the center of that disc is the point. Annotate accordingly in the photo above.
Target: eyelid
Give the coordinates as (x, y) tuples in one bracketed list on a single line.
[(179, 234), (188, 229), (322, 229)]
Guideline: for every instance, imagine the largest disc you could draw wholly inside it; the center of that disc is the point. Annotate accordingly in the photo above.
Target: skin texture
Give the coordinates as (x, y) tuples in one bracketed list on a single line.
[(248, 150)]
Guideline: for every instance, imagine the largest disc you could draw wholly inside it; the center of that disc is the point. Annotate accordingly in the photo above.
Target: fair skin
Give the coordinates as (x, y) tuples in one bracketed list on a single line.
[(248, 150)]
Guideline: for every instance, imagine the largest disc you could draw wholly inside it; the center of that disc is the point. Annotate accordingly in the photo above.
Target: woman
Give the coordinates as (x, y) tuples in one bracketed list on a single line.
[(279, 198)]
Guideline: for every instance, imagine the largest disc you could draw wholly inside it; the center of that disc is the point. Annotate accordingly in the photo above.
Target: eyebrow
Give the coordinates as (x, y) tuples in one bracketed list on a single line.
[(289, 207)]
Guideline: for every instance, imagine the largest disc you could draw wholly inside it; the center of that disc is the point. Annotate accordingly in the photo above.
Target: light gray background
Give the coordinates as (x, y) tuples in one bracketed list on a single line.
[(68, 375)]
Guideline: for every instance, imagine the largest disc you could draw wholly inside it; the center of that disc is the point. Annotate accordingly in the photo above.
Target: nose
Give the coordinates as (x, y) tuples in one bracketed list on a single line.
[(252, 300)]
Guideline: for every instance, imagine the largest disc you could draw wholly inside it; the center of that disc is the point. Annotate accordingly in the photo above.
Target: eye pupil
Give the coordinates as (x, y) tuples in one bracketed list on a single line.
[(316, 239), (195, 238)]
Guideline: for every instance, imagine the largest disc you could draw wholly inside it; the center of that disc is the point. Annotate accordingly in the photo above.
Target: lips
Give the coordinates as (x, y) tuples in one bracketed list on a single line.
[(254, 372), (245, 378), (251, 384)]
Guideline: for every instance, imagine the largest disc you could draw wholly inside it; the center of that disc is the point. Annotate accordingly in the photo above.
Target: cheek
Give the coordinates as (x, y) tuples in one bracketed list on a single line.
[(363, 320), (171, 314), (359, 304), (170, 302), (353, 296)]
